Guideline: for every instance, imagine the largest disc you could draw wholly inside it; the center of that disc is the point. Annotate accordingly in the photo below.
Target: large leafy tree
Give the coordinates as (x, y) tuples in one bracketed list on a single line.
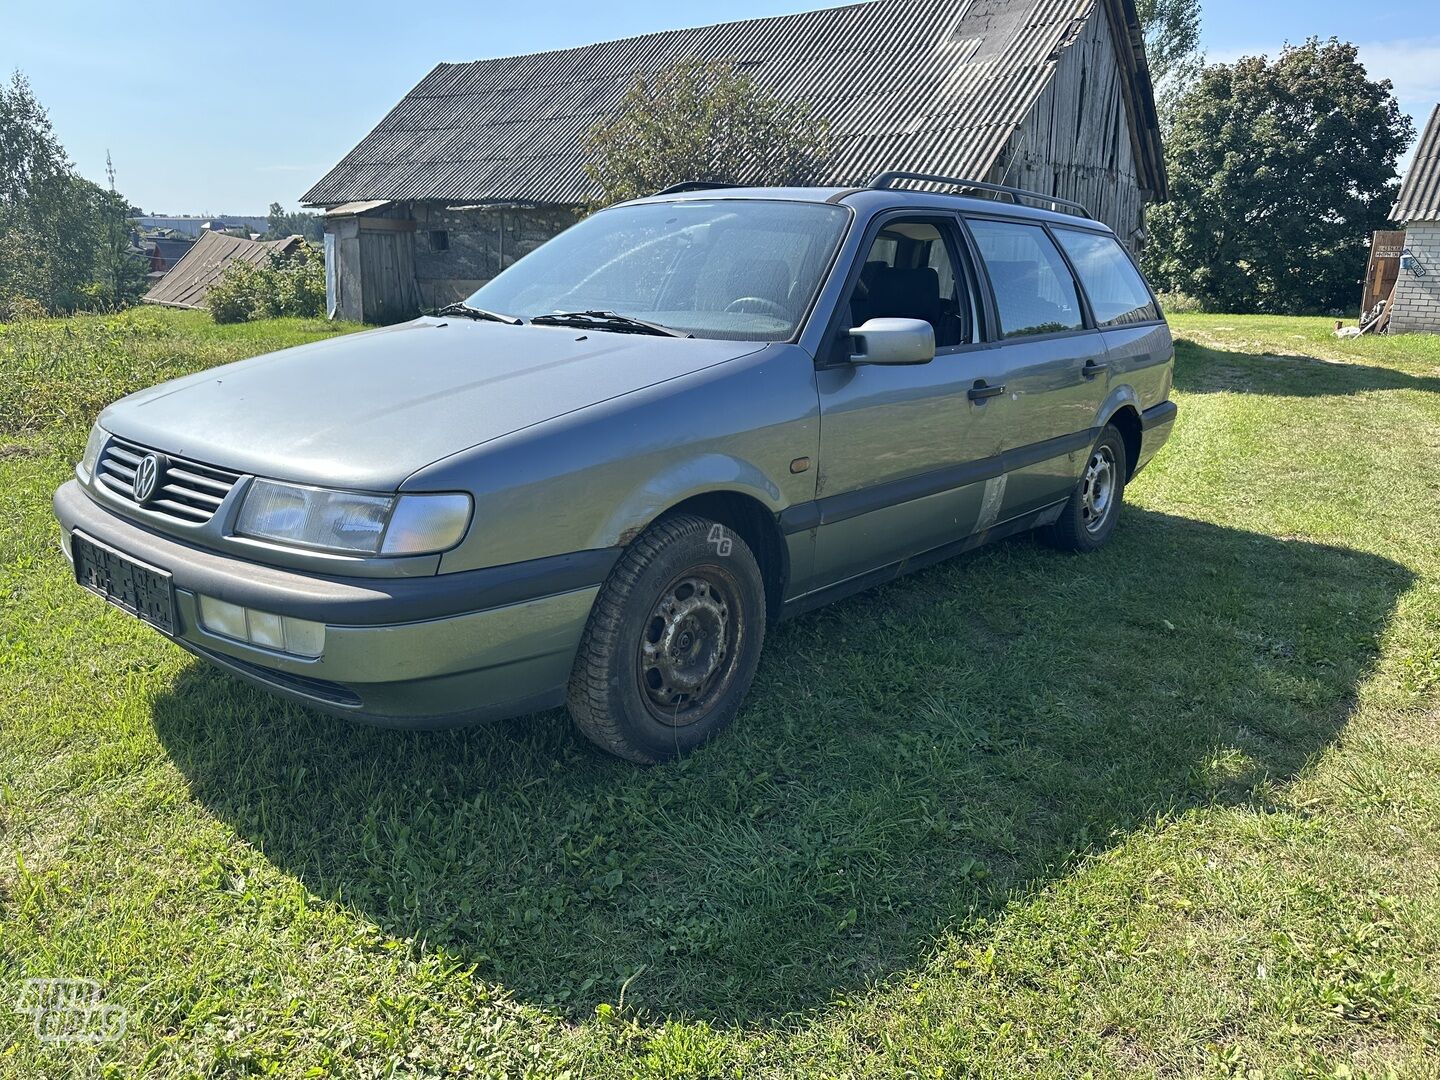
[(1279, 171), (1172, 47), (63, 237), (703, 121)]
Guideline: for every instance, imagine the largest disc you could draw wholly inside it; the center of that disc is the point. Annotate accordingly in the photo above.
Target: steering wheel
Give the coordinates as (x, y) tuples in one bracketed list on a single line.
[(778, 310)]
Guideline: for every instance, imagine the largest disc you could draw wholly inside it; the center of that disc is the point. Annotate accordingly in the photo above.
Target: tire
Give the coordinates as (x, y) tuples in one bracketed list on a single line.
[(672, 643), (1094, 507)]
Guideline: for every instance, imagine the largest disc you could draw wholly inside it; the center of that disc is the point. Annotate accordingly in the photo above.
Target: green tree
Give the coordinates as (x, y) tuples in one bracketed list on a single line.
[(1279, 171), (280, 224), (703, 121), (30, 156), (1172, 47), (55, 226)]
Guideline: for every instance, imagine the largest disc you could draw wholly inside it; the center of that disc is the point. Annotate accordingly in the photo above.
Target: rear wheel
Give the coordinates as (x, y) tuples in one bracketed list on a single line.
[(1090, 515), (672, 643)]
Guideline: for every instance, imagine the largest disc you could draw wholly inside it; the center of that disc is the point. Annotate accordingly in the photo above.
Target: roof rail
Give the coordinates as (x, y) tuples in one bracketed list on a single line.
[(887, 180), (695, 185)]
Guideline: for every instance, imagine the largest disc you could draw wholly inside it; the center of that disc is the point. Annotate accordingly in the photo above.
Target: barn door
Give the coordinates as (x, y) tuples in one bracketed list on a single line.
[(387, 266)]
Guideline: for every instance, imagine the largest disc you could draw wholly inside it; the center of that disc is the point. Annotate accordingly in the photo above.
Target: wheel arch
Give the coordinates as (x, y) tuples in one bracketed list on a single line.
[(1127, 420), (726, 489), (1122, 408), (754, 523)]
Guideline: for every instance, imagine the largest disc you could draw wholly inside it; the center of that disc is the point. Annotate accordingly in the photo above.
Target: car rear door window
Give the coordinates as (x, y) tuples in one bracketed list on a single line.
[(1117, 293), (1034, 290)]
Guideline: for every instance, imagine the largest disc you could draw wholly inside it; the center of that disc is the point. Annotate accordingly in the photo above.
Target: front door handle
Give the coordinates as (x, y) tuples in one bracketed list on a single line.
[(1093, 368), (981, 392)]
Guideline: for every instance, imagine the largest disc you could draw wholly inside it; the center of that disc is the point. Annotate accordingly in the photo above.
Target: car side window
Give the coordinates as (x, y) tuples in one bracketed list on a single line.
[(1116, 290), (1034, 290), (909, 273)]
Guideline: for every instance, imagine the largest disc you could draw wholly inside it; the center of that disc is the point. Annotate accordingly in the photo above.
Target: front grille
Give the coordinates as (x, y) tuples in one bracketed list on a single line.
[(188, 491)]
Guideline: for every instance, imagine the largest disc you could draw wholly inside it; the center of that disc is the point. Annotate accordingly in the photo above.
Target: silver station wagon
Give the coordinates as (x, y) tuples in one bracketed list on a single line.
[(598, 480)]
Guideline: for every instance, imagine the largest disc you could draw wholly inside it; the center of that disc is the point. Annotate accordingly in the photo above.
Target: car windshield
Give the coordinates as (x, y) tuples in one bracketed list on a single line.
[(744, 269)]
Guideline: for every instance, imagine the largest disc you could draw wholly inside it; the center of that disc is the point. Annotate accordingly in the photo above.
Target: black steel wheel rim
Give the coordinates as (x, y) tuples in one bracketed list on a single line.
[(690, 645)]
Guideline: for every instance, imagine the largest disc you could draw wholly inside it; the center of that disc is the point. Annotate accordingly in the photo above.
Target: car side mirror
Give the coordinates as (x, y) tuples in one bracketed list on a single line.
[(893, 341)]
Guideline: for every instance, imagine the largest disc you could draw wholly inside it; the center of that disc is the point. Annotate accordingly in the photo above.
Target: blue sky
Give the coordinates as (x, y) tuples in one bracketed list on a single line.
[(224, 108)]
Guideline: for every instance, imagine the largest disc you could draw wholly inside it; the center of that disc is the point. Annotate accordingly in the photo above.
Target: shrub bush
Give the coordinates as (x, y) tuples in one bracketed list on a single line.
[(292, 284), (1179, 303)]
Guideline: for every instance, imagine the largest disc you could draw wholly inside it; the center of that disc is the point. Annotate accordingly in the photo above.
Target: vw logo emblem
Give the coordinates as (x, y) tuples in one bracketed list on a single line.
[(147, 479)]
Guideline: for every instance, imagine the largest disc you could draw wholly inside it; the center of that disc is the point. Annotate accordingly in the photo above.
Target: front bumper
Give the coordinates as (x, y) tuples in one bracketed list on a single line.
[(406, 652)]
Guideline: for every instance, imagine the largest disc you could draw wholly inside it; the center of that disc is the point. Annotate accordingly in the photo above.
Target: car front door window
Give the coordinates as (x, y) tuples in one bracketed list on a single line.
[(909, 273)]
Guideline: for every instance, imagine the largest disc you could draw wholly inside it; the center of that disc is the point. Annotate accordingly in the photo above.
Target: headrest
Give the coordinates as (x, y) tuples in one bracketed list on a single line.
[(906, 289)]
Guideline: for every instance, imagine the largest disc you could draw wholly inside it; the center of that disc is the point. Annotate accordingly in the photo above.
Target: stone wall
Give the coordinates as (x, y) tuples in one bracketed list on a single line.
[(457, 251), (1417, 300)]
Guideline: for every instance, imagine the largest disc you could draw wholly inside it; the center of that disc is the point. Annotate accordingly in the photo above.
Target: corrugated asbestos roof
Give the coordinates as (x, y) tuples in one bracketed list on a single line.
[(1420, 194), (189, 280), (928, 85)]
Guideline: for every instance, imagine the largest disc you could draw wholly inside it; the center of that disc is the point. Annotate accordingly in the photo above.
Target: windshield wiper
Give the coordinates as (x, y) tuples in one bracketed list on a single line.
[(607, 320), (480, 313)]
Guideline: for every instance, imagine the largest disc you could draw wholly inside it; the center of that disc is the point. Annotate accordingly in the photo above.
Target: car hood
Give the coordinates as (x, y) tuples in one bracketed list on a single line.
[(366, 410)]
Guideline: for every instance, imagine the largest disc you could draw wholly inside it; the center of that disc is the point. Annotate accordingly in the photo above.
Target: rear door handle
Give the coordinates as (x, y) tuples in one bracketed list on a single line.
[(981, 392), (1093, 368)]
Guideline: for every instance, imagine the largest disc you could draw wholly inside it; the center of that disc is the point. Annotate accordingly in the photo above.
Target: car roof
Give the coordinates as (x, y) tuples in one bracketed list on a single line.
[(872, 200)]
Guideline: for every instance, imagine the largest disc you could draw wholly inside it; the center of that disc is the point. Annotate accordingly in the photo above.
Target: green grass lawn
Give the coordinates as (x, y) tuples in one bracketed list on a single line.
[(1171, 809)]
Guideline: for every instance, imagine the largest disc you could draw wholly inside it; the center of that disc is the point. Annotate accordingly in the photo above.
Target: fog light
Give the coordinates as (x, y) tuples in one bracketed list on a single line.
[(279, 633), (227, 620), (266, 629), (303, 637)]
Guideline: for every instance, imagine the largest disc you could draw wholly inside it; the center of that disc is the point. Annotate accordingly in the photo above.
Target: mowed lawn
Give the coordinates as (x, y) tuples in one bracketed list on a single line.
[(1172, 809)]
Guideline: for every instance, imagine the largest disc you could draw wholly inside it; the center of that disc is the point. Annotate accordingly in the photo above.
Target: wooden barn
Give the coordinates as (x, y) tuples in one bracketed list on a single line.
[(482, 161)]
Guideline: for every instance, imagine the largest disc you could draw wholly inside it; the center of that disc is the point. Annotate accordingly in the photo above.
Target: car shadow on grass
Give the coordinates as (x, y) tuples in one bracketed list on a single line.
[(906, 761), (1201, 369)]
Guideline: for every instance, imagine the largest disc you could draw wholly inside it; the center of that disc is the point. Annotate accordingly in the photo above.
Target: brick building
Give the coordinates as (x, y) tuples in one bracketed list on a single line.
[(1416, 307)]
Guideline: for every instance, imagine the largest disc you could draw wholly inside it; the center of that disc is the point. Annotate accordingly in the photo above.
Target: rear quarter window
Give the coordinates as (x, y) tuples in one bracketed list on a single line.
[(1117, 292)]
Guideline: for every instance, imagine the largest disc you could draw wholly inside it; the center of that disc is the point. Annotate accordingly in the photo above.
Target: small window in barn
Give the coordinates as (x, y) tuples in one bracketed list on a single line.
[(439, 240), (1117, 292), (1034, 289)]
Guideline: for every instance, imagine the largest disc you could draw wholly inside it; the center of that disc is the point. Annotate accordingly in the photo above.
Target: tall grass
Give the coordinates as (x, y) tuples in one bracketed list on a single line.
[(59, 373)]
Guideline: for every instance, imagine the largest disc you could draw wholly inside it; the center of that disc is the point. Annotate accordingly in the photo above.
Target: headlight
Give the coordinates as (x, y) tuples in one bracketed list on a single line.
[(93, 445), (352, 522)]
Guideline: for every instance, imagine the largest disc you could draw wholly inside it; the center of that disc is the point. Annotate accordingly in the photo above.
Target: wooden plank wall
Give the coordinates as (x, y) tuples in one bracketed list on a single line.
[(1076, 141)]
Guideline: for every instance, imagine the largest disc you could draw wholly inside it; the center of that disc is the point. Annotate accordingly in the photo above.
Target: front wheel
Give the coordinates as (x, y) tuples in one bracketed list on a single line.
[(672, 643), (1094, 507)]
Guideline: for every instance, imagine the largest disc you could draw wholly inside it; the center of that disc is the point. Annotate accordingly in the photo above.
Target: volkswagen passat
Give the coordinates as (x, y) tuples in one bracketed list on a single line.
[(599, 479)]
